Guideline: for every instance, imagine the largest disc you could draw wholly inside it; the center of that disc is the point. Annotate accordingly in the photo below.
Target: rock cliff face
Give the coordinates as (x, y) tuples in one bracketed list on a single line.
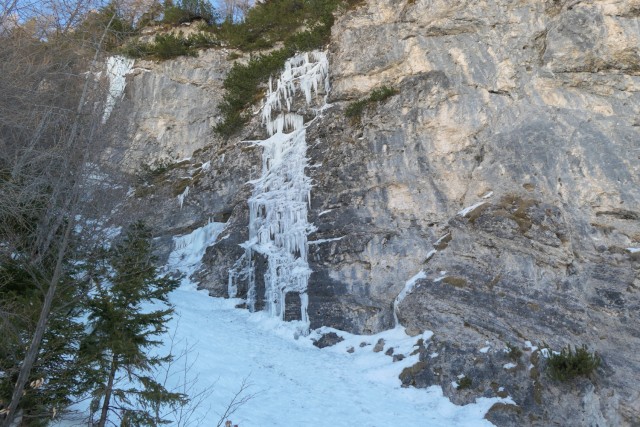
[(525, 112), (170, 109), (529, 111)]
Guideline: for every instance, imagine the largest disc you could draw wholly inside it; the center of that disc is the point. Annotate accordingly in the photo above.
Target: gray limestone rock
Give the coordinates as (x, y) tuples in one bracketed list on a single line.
[(528, 110)]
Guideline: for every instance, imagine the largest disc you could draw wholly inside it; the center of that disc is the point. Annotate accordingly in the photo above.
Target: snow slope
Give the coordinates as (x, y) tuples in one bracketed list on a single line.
[(291, 382), (295, 383)]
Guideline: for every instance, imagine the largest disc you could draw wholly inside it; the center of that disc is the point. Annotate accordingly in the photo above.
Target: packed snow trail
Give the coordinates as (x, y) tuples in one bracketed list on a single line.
[(295, 383), (292, 382), (278, 226)]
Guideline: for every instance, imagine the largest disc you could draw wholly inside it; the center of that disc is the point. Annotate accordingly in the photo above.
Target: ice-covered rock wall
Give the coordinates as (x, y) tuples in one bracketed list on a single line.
[(278, 225)]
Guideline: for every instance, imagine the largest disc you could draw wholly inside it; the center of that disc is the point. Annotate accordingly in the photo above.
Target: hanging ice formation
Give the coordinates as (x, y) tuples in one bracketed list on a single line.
[(278, 226)]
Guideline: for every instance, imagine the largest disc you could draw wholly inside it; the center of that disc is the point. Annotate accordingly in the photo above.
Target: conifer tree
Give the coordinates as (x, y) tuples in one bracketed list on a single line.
[(52, 381), (188, 10), (126, 322)]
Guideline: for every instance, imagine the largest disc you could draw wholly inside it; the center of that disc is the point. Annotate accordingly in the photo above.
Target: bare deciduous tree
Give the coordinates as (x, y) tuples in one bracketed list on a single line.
[(48, 122), (236, 10)]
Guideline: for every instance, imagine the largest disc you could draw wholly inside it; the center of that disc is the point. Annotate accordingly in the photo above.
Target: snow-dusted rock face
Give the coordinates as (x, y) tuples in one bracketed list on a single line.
[(506, 169)]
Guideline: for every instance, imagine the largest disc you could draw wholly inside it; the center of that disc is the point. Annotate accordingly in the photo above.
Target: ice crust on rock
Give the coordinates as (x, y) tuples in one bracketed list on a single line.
[(117, 69), (278, 226), (189, 249), (408, 288), (467, 211), (182, 196)]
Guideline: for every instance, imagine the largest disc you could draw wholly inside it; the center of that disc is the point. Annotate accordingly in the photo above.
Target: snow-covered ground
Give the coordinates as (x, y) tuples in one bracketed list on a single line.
[(297, 384), (291, 382)]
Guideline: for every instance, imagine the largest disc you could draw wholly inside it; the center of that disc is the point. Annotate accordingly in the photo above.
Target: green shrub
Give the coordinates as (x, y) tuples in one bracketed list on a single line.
[(279, 21), (169, 46), (175, 16), (136, 49), (301, 25), (355, 109), (570, 364), (464, 383), (189, 10), (381, 94), (201, 41), (241, 88), (514, 352)]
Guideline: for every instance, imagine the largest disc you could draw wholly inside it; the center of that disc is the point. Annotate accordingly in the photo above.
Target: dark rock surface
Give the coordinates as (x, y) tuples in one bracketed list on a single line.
[(327, 340)]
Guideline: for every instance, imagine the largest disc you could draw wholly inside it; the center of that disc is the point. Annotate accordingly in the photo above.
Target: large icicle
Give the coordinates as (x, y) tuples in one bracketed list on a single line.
[(278, 226)]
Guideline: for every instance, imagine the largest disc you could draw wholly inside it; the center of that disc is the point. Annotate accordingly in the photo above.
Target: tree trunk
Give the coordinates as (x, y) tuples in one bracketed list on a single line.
[(108, 391), (34, 347), (69, 204)]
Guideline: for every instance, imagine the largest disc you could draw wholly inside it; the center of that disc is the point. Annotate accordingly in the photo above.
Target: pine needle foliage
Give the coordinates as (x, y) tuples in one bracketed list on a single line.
[(570, 364), (126, 323), (23, 285), (189, 10), (300, 25), (52, 380), (464, 383), (355, 110), (513, 352), (167, 46)]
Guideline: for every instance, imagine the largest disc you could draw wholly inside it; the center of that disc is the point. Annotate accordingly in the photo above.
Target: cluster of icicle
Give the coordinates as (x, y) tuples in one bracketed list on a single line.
[(278, 226)]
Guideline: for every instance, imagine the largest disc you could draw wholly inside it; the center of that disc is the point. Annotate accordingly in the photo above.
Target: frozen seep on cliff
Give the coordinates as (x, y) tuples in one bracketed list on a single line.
[(117, 69), (278, 226)]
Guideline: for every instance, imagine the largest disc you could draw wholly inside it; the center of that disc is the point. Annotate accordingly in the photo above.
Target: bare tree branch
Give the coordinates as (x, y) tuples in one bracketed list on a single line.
[(240, 398), (58, 219)]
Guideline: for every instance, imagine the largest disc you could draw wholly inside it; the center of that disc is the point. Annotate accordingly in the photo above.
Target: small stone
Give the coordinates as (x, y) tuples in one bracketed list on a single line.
[(398, 357), (389, 351), (412, 332), (363, 344), (379, 346), (327, 340), (350, 350)]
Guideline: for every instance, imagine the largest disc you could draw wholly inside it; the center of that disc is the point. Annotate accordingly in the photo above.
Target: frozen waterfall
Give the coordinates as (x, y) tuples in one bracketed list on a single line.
[(278, 225)]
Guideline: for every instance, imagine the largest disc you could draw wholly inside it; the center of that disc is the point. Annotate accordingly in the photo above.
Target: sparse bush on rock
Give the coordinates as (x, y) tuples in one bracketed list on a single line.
[(569, 364), (354, 111)]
